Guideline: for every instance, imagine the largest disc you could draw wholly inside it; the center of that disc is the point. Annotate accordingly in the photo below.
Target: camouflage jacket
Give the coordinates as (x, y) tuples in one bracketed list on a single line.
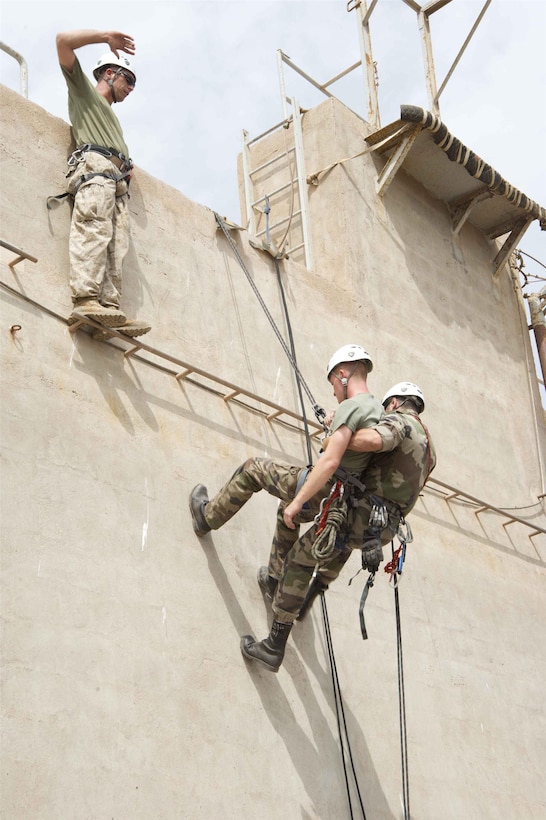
[(398, 472)]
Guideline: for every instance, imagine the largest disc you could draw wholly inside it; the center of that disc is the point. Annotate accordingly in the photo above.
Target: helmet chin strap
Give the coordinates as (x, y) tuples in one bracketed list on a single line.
[(344, 380), (111, 87)]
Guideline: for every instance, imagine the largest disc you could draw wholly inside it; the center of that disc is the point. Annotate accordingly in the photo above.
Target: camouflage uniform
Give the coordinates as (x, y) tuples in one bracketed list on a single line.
[(396, 476), (99, 232), (276, 478), (282, 480)]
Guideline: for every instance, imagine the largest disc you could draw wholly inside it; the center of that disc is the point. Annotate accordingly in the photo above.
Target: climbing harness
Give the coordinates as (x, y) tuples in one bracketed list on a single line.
[(123, 163), (120, 160)]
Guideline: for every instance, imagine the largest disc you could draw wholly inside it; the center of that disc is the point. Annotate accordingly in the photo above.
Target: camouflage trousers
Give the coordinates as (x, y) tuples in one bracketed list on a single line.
[(300, 563), (279, 480), (291, 560), (99, 232)]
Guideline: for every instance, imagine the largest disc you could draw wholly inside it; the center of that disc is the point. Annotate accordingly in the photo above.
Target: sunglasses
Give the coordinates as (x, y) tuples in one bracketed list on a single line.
[(129, 79)]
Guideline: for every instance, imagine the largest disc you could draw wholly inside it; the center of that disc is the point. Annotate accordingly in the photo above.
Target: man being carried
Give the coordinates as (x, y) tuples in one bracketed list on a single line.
[(404, 456), (99, 173), (347, 372)]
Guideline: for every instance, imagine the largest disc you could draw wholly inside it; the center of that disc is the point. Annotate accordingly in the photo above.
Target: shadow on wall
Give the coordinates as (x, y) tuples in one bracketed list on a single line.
[(452, 272), (319, 762), (462, 290), (121, 384)]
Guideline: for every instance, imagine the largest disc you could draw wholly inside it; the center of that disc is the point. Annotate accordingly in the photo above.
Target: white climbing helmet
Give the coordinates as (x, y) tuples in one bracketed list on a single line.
[(349, 353), (407, 390), (110, 59)]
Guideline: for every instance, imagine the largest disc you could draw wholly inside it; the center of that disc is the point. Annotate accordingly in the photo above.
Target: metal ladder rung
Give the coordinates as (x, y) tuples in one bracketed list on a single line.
[(276, 191), (20, 254), (271, 161), (288, 251), (280, 222), (183, 374)]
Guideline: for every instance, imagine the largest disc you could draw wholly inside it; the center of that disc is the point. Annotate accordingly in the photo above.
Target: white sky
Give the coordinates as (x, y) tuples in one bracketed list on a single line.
[(208, 69)]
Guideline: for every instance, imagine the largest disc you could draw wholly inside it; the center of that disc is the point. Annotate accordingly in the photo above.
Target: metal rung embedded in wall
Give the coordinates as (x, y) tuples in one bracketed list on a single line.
[(20, 254)]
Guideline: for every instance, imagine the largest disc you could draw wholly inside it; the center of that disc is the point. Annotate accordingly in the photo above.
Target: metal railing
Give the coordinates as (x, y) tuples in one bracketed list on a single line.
[(23, 69)]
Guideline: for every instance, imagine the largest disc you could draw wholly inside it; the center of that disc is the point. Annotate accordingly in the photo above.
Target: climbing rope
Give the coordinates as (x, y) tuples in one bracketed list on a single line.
[(394, 567), (344, 743), (402, 709), (320, 414), (297, 371), (319, 411)]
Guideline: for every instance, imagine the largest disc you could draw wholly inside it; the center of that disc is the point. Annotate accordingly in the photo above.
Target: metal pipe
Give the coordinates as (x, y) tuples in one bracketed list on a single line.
[(366, 58), (537, 304), (302, 182), (460, 54), (250, 215), (22, 65), (284, 98)]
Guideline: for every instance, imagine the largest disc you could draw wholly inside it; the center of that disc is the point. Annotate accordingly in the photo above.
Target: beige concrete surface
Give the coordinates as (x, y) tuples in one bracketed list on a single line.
[(124, 691)]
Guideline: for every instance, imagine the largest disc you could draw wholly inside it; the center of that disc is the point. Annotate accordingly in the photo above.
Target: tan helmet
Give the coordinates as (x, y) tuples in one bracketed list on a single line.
[(349, 353), (110, 59), (407, 390)]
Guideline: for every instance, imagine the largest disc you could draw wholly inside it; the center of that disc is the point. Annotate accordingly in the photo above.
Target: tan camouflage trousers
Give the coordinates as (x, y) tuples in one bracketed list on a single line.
[(99, 232)]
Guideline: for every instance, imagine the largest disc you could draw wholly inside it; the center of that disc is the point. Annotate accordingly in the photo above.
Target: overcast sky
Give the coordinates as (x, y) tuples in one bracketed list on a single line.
[(208, 69)]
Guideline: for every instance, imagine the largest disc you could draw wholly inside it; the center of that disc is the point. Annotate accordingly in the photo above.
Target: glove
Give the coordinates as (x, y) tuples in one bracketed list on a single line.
[(372, 551)]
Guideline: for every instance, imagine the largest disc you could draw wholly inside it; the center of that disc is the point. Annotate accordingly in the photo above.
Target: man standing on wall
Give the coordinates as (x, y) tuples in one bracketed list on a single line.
[(99, 174)]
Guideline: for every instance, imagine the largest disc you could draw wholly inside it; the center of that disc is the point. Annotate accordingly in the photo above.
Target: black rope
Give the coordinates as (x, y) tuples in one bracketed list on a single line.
[(293, 352), (402, 710), (338, 701), (319, 412)]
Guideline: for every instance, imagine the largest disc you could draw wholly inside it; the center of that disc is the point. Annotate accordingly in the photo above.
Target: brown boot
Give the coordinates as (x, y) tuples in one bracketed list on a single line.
[(92, 309), (132, 328)]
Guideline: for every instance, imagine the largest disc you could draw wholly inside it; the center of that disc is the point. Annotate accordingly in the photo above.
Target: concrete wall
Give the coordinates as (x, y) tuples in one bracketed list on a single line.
[(124, 691)]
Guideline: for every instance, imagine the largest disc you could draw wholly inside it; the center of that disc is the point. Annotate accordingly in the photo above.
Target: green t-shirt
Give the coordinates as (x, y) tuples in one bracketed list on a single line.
[(363, 410), (91, 116)]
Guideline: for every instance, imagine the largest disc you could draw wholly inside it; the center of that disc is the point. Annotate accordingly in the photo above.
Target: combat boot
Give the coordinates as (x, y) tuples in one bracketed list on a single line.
[(267, 583), (199, 498), (269, 653), (132, 328), (91, 308)]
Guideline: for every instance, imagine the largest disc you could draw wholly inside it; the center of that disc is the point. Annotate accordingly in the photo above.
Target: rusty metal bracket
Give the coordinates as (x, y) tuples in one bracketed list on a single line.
[(395, 161), (20, 254)]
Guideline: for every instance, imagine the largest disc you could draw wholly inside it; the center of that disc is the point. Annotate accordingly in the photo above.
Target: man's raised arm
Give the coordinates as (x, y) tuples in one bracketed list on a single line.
[(69, 41)]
